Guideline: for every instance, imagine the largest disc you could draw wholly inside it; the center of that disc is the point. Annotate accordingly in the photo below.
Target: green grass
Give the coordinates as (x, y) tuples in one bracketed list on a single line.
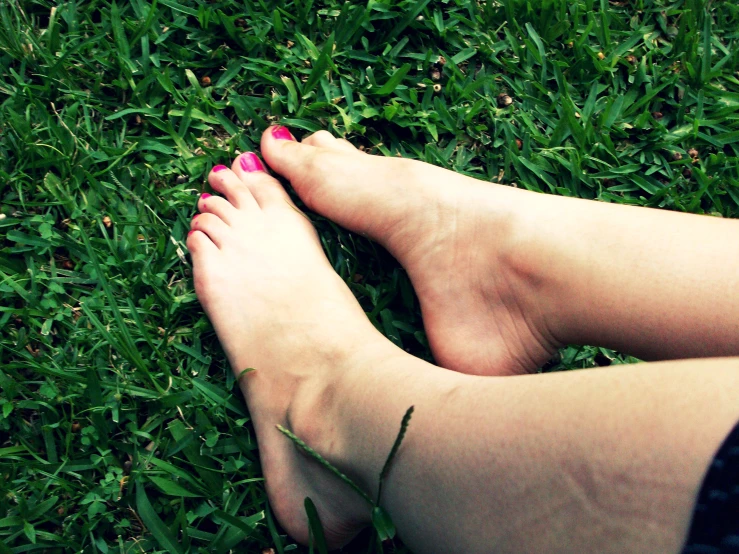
[(120, 425)]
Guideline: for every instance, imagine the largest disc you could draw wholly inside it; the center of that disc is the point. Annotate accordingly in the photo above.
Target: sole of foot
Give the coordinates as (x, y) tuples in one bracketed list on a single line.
[(461, 241)]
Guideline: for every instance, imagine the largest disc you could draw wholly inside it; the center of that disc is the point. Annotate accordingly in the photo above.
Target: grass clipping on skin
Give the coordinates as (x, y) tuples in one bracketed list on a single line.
[(381, 521)]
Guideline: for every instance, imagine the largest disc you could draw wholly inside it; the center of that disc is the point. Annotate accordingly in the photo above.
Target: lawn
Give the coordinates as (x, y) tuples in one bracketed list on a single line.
[(121, 429)]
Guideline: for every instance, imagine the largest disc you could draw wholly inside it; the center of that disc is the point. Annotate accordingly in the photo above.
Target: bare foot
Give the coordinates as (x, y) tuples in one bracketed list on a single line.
[(457, 237), (278, 307)]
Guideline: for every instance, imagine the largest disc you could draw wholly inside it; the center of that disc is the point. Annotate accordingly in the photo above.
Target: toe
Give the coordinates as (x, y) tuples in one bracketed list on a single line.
[(322, 139), (225, 181), (347, 146), (207, 203), (205, 257), (306, 166), (265, 188), (335, 182), (200, 246), (211, 225)]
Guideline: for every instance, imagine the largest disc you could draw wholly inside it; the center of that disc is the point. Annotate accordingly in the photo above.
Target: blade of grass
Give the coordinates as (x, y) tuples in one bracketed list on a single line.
[(405, 21), (321, 460), (321, 66), (316, 528), (405, 422), (394, 81), (154, 524)]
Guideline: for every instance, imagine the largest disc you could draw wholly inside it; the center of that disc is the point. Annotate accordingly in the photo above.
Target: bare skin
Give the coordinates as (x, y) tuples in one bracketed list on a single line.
[(448, 231), (588, 461), (248, 249), (505, 276)]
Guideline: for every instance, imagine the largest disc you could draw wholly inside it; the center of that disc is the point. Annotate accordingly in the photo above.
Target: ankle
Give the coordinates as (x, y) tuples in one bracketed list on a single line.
[(332, 418), (532, 253), (319, 404)]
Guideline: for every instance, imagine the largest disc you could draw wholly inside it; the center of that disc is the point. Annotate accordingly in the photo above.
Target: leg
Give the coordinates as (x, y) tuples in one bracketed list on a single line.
[(585, 461), (505, 276), (589, 461), (654, 283)]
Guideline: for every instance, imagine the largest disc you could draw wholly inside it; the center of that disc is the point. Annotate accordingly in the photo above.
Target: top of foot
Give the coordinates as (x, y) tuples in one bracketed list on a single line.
[(279, 308)]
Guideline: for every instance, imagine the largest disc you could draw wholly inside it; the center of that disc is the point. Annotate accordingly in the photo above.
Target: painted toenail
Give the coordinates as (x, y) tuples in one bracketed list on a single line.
[(190, 233), (195, 217), (218, 168), (250, 162), (205, 195), (282, 133)]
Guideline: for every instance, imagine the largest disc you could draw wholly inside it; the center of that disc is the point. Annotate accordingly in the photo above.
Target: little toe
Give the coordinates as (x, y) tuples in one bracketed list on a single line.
[(265, 188), (205, 257), (225, 181), (216, 205), (344, 144), (324, 139), (213, 226), (200, 246)]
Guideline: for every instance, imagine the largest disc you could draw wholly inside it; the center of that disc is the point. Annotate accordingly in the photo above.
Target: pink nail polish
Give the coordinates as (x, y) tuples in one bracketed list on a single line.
[(195, 217), (250, 162), (282, 133), (205, 195), (218, 168), (190, 233)]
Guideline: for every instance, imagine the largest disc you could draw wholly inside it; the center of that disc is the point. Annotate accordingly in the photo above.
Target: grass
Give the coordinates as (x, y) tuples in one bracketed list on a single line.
[(121, 429)]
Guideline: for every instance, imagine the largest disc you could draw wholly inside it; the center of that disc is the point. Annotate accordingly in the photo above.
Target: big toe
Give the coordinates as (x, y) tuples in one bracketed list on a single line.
[(336, 180), (265, 188)]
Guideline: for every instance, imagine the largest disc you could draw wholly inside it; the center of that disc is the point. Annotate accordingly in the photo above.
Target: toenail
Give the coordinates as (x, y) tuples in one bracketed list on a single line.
[(218, 168), (205, 195), (282, 133), (190, 233), (250, 162), (195, 217)]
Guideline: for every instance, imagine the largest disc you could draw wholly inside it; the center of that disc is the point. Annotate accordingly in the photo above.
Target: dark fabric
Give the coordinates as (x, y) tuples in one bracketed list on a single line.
[(715, 525)]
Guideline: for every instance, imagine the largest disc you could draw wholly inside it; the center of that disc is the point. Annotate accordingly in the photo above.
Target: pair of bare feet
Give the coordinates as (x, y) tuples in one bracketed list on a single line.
[(278, 306)]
